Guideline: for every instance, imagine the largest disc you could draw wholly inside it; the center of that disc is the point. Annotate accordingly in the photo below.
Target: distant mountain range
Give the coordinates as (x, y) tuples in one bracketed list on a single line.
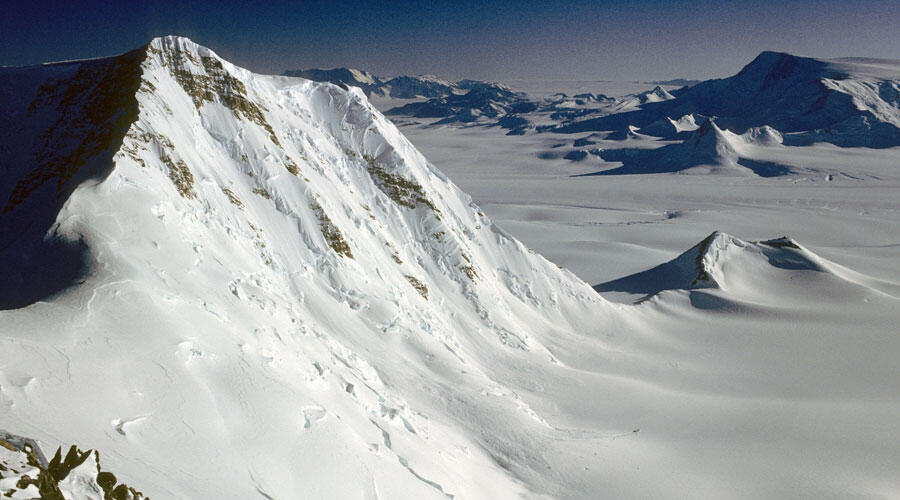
[(401, 87), (675, 82), (848, 102), (343, 77)]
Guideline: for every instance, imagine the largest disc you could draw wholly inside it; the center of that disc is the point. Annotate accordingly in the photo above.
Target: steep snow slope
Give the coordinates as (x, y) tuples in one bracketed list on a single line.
[(265, 271)]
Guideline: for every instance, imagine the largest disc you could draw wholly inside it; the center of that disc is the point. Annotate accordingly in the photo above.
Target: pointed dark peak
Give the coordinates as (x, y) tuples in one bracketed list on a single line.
[(708, 125)]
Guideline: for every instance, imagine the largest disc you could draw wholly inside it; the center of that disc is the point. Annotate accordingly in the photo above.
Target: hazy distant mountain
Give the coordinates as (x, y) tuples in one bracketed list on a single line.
[(675, 82), (409, 87), (657, 94), (480, 100)]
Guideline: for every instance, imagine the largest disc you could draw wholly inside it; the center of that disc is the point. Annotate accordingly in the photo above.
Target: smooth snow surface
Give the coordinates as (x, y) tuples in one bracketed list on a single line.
[(266, 291)]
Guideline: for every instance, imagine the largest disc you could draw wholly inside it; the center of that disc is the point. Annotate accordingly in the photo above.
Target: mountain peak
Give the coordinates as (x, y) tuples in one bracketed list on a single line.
[(176, 42), (724, 262), (302, 240), (711, 143)]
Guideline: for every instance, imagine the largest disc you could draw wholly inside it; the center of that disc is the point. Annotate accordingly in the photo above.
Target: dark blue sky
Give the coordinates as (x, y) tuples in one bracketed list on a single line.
[(624, 40)]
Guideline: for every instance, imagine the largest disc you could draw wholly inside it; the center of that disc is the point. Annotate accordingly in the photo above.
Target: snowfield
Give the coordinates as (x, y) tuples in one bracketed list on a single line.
[(242, 286)]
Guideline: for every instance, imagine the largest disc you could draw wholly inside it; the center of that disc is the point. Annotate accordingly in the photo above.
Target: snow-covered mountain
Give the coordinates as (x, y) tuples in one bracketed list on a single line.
[(399, 87), (343, 77), (847, 102), (261, 277), (707, 148), (631, 102), (232, 285), (743, 271), (480, 100), (410, 87), (668, 128)]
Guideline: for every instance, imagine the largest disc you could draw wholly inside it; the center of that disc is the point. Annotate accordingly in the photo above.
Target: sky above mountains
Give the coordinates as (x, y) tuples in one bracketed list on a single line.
[(633, 40)]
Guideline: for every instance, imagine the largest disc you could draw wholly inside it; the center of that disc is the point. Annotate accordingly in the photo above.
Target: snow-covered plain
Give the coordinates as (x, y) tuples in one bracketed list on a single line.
[(277, 296), (844, 202), (770, 380)]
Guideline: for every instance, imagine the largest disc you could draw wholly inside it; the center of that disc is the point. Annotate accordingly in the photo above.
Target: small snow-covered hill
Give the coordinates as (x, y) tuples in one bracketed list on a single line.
[(671, 128), (770, 271), (635, 101)]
